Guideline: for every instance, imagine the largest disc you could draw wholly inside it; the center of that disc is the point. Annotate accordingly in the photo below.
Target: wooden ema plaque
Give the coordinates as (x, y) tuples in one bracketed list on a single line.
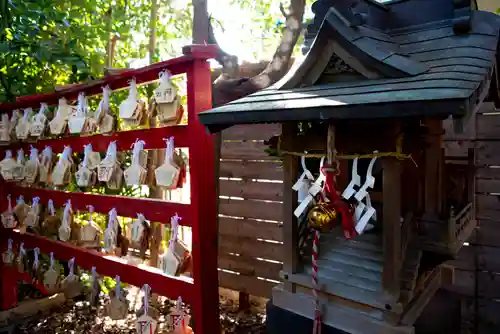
[(192, 136)]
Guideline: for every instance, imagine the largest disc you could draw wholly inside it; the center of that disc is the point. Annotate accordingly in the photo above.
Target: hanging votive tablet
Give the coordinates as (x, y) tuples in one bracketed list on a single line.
[(51, 276), (90, 232), (4, 129), (169, 263), (136, 173), (24, 124), (132, 109), (167, 175), (117, 308), (59, 123), (14, 119), (21, 259), (71, 284), (18, 170), (52, 223), (8, 255), (33, 215), (146, 324), (7, 166), (138, 228), (85, 176), (61, 175), (31, 167), (177, 322), (65, 228), (105, 121), (93, 296), (39, 123), (111, 233), (21, 209), (8, 220), (78, 120), (45, 165), (108, 165), (167, 101)]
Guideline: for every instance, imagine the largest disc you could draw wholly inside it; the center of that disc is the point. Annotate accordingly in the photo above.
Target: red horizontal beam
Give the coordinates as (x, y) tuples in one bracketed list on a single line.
[(152, 137), (153, 210), (169, 286), (24, 277), (120, 80)]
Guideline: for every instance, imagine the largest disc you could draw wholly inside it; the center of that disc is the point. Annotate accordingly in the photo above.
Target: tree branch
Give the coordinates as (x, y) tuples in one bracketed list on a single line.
[(228, 88), (229, 63)]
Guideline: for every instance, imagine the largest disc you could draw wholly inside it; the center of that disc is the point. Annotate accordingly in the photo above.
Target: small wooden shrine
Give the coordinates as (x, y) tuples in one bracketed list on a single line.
[(386, 206)]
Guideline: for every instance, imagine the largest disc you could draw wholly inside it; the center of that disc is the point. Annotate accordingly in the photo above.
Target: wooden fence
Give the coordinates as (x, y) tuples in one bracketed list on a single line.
[(250, 210), (477, 274)]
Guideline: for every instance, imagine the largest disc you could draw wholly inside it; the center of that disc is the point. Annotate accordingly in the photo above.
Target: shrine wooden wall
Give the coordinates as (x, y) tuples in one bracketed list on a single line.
[(477, 274), (250, 210)]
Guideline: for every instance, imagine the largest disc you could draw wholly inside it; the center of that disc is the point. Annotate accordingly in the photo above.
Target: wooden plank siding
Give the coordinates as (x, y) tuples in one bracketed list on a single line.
[(477, 273), (250, 210)]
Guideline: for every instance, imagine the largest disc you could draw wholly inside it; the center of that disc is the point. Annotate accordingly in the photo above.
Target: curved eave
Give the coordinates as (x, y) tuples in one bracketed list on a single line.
[(375, 49)]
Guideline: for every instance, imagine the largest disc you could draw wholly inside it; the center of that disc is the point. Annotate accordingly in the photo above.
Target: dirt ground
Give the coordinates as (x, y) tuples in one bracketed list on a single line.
[(77, 316)]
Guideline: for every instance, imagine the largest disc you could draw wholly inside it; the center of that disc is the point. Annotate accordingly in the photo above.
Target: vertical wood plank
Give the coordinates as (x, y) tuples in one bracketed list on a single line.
[(391, 225), (290, 227), (433, 168), (203, 202)]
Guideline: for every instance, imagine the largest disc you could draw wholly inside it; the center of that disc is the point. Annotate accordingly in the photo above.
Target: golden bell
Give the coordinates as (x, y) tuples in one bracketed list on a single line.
[(321, 216)]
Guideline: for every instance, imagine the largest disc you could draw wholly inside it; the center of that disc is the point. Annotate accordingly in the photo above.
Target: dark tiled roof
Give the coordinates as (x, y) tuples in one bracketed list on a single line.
[(423, 70)]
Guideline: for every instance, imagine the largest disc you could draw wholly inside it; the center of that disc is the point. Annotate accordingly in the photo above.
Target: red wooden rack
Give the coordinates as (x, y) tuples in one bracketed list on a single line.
[(202, 291)]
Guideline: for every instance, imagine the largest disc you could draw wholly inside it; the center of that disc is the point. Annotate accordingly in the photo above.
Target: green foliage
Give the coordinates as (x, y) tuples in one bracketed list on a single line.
[(45, 43)]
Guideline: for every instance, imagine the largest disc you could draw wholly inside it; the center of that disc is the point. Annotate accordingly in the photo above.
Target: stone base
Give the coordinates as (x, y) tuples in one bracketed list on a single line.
[(281, 321)]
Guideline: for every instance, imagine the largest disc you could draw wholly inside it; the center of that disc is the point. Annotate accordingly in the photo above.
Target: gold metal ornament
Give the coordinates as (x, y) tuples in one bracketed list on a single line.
[(321, 216)]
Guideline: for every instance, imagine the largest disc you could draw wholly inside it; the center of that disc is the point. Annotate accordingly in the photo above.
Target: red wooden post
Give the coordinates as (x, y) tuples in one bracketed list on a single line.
[(203, 202)]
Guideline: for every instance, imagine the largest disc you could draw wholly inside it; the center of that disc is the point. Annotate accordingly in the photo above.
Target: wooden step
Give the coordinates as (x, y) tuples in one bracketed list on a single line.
[(367, 292), (338, 315)]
